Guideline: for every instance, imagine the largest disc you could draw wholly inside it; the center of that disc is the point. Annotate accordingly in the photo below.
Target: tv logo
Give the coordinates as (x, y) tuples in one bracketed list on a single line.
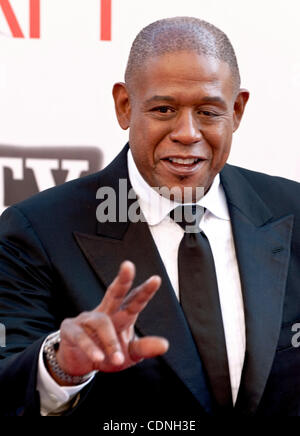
[(35, 19), (25, 171)]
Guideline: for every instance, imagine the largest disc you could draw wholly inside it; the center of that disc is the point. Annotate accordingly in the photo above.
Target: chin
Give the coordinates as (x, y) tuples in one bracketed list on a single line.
[(182, 194)]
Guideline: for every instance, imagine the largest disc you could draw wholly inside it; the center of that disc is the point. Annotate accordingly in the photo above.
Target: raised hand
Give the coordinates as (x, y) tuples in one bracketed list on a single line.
[(104, 339)]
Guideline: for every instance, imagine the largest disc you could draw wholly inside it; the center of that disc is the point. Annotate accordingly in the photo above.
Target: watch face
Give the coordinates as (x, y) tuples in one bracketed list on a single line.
[(54, 338)]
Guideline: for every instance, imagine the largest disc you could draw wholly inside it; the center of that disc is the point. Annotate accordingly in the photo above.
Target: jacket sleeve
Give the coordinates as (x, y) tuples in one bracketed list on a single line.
[(26, 311)]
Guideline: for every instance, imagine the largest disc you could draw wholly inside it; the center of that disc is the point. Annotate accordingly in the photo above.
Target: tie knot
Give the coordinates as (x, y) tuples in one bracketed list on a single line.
[(188, 217)]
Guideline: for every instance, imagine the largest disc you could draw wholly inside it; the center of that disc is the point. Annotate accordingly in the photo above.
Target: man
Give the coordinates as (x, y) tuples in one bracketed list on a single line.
[(130, 342)]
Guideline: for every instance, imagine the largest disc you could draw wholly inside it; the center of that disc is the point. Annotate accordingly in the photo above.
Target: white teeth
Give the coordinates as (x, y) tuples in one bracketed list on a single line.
[(183, 161)]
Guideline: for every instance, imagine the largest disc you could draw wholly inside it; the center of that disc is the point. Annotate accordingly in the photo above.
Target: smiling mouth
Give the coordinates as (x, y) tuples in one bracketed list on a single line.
[(183, 161), (183, 166)]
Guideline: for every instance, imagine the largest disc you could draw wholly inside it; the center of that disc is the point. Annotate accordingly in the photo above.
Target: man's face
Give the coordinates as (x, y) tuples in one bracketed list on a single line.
[(181, 115)]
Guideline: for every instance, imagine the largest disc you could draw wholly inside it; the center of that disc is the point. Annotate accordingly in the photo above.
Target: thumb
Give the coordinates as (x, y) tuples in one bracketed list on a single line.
[(148, 347)]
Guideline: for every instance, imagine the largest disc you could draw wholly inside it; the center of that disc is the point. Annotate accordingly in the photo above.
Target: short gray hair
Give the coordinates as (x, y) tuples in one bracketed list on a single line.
[(171, 35)]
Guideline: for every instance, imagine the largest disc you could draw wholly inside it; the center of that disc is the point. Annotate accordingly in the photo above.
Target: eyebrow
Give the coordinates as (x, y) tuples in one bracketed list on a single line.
[(207, 99), (160, 98), (213, 99)]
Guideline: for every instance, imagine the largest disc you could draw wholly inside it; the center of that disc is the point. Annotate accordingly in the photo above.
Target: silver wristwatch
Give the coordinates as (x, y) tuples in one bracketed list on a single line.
[(50, 348)]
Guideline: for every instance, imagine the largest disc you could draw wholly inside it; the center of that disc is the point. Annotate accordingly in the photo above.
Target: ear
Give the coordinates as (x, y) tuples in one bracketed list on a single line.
[(122, 104), (239, 107)]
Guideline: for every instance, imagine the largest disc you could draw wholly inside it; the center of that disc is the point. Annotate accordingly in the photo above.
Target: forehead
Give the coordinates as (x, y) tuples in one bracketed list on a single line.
[(184, 73)]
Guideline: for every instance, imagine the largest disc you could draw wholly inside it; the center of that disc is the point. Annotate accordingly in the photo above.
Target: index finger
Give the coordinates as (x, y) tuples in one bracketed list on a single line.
[(118, 289), (135, 302)]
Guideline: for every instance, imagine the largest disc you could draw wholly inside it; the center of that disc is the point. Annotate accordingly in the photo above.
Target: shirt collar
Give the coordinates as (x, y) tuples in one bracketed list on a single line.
[(156, 207)]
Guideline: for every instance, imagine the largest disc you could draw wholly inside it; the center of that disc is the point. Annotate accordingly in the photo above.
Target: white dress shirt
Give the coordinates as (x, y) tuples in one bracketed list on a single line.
[(167, 235)]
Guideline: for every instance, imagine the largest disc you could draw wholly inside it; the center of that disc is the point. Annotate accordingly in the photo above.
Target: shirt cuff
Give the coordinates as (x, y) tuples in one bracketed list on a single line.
[(54, 397)]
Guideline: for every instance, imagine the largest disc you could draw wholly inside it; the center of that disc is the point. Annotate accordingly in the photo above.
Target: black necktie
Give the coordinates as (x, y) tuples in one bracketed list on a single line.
[(199, 298)]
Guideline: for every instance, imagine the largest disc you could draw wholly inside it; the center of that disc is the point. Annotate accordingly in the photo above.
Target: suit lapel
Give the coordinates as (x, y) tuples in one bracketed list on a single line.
[(163, 315), (263, 249)]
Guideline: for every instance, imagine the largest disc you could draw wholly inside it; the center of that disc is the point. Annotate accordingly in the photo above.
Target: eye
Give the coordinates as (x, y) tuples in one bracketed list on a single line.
[(163, 109), (208, 113)]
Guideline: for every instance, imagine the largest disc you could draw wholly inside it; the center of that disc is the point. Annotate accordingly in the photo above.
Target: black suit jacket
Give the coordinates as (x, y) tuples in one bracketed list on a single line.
[(56, 261)]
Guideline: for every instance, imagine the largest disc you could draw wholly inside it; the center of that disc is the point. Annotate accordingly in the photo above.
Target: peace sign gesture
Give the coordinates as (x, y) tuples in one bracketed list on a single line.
[(104, 339)]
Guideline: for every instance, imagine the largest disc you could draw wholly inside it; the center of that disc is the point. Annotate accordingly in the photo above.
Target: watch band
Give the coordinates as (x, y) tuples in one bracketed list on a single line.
[(50, 348)]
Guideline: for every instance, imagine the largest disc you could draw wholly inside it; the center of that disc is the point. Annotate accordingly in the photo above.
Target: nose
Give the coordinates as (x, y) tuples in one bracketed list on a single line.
[(186, 129)]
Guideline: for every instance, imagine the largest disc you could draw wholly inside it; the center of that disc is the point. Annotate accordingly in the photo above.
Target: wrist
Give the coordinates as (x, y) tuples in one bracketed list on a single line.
[(61, 377)]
